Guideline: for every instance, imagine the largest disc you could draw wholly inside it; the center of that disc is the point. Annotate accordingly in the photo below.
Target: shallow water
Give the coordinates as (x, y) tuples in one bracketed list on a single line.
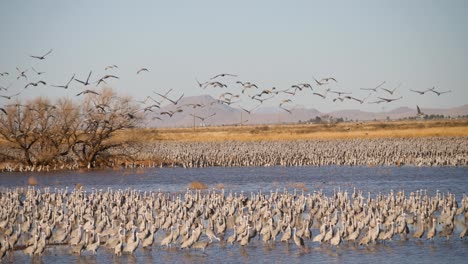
[(247, 179)]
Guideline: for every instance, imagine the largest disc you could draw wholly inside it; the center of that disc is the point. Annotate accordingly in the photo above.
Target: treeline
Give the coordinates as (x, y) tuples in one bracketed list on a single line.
[(40, 132)]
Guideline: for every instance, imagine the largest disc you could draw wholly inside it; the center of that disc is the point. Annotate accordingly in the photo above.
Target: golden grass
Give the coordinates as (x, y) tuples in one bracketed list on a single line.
[(196, 185), (298, 185), (32, 181), (378, 129)]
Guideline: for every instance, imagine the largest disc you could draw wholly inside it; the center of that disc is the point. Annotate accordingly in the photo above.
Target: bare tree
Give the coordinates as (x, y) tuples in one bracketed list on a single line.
[(43, 133), (102, 116)]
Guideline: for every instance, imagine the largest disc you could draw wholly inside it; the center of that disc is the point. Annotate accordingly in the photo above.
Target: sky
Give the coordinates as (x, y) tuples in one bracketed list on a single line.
[(419, 44)]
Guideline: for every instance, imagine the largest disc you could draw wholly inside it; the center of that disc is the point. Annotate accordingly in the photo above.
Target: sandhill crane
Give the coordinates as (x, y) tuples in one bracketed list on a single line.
[(328, 79), (393, 90), (321, 95), (142, 70), (249, 111), (41, 57), (319, 83), (110, 67), (422, 92), (87, 79), (21, 73), (9, 96), (388, 100), (419, 113), (35, 84), (87, 91), (375, 88), (222, 75), (339, 93), (66, 85), (203, 118), (170, 100), (37, 72), (439, 93)]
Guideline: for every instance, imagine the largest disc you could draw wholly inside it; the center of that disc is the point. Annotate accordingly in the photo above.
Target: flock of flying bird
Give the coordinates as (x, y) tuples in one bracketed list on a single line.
[(317, 88)]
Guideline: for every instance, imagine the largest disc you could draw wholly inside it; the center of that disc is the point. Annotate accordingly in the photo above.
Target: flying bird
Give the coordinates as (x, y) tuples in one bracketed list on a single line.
[(110, 67), (37, 72), (203, 118), (87, 91), (439, 93), (4, 73), (65, 86), (215, 84), (167, 98), (285, 109), (222, 75), (5, 87), (107, 76), (388, 100), (171, 113), (422, 92), (321, 95), (285, 102), (41, 57), (142, 70), (87, 80), (355, 99), (375, 88), (391, 91), (21, 73), (319, 83), (249, 111), (35, 84), (328, 79), (419, 113), (9, 96), (339, 93), (262, 100)]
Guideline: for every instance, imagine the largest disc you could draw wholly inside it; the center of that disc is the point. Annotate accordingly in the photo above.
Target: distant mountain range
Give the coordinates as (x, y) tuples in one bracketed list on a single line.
[(227, 115)]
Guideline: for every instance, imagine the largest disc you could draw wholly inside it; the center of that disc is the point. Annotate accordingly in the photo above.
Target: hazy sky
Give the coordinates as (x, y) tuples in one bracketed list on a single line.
[(271, 43)]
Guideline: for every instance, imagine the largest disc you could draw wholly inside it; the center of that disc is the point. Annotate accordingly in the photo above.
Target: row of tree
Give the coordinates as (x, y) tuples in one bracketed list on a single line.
[(41, 132)]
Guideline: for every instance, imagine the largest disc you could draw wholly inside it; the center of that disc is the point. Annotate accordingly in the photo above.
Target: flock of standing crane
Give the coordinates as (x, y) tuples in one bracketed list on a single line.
[(122, 221)]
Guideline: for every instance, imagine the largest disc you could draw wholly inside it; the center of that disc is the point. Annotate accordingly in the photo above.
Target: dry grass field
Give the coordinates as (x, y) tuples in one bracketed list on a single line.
[(377, 129)]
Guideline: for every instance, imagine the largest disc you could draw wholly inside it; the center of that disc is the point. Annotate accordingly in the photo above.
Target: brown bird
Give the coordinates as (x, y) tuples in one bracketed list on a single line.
[(41, 57)]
